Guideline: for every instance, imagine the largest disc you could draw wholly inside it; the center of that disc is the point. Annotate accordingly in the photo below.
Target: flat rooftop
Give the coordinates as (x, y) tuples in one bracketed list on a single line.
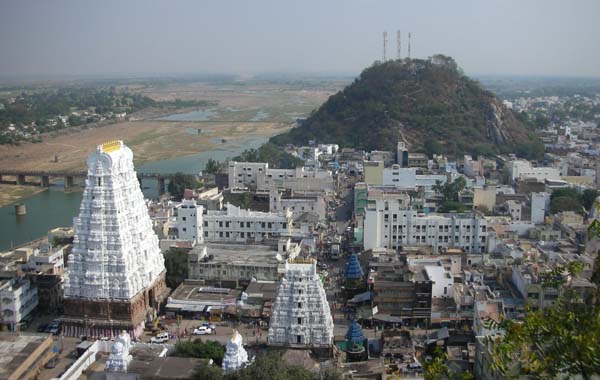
[(242, 254), (16, 348)]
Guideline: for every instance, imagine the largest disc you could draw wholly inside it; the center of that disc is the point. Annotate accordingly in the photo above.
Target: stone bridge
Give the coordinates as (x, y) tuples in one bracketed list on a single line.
[(69, 176)]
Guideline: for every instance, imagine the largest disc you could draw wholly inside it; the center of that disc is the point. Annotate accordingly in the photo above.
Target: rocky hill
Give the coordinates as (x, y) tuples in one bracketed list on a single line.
[(429, 104)]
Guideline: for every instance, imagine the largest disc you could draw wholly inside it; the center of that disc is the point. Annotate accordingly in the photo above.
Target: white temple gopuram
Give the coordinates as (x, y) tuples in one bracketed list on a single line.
[(116, 273), (236, 356), (301, 316)]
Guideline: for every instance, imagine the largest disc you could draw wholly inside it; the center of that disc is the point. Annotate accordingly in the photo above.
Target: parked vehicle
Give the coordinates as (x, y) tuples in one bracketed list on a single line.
[(160, 338), (54, 328), (42, 328), (209, 325), (202, 330)]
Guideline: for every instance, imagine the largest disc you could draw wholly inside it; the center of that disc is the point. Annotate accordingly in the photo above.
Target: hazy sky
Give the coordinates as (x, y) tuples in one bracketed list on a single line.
[(79, 37)]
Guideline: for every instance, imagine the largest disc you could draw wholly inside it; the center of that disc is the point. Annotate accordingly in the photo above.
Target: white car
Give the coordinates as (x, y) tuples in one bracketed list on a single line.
[(160, 338), (202, 330)]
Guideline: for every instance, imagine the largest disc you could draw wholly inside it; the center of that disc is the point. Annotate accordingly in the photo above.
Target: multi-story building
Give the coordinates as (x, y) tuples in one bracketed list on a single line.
[(298, 203), (236, 264), (258, 176), (189, 222), (520, 169), (47, 259), (390, 224), (539, 205), (17, 300), (245, 174), (238, 225)]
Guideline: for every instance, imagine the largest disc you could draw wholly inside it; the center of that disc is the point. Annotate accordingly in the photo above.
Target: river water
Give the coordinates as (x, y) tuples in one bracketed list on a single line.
[(56, 208)]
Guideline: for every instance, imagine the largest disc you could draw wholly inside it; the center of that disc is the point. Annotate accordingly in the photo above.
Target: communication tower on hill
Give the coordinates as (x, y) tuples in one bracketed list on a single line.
[(384, 46), (399, 44), (408, 45)]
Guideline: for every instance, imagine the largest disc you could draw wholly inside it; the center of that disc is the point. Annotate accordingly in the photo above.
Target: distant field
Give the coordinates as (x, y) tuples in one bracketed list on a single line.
[(154, 140)]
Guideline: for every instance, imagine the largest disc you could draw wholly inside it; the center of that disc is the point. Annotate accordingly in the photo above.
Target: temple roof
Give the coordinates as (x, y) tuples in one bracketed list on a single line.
[(354, 333), (353, 268)]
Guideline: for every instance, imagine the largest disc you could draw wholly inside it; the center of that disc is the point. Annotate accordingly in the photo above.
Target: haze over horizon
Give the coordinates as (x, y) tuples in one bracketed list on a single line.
[(85, 38)]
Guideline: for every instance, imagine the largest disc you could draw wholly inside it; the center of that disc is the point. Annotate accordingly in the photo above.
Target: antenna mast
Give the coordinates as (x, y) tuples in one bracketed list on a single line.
[(399, 44), (408, 45), (384, 46)]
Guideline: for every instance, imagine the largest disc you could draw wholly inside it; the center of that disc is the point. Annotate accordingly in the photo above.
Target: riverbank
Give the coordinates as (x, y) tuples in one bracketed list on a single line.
[(150, 141), (10, 194)]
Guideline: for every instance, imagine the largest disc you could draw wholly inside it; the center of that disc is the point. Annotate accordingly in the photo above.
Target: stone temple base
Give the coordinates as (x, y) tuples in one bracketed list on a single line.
[(108, 317)]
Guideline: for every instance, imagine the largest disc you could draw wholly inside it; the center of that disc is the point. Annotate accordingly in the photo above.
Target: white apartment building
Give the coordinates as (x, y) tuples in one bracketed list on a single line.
[(515, 210), (540, 202), (389, 224), (520, 169), (238, 225), (189, 222), (298, 204), (259, 177), (17, 300), (244, 175), (408, 178), (442, 282), (47, 259), (471, 167), (299, 179)]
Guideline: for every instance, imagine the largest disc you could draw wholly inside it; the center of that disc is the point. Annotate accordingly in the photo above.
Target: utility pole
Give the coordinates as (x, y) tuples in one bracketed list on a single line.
[(408, 45), (399, 44), (385, 46)]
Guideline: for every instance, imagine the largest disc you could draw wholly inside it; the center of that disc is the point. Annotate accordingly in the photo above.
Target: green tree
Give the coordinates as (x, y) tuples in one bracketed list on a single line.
[(200, 349), (208, 372), (213, 166), (449, 192), (179, 182), (589, 197), (560, 204), (560, 341), (269, 366), (433, 147), (438, 369), (176, 264)]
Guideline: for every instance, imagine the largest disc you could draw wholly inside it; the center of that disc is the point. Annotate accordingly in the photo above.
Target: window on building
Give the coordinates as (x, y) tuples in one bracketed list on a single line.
[(184, 218), (299, 321), (205, 223), (299, 305)]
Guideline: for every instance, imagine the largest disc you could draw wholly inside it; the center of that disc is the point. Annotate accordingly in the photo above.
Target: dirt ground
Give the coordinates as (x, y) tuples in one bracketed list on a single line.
[(149, 140), (237, 106)]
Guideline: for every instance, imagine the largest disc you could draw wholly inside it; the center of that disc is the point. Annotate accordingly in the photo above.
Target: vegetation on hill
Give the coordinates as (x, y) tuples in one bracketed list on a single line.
[(274, 155), (429, 104)]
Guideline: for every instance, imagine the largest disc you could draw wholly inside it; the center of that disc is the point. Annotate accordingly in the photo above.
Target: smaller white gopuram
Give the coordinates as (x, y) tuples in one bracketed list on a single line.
[(119, 357), (235, 355), (301, 316)]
